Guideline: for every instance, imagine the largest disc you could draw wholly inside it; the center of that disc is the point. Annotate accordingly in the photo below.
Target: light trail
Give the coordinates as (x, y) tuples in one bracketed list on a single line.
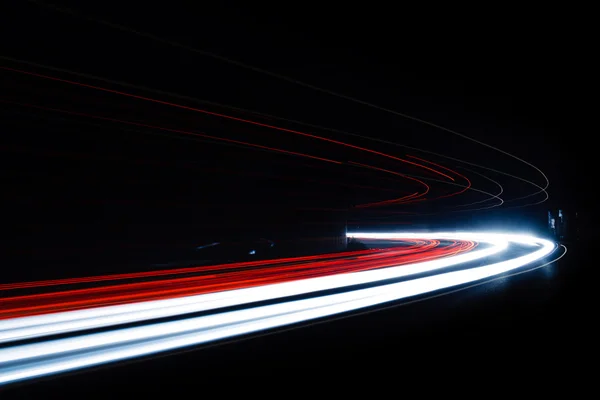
[(230, 117), (256, 146), (484, 200), (214, 279), (389, 202), (88, 156), (316, 88), (278, 118), (179, 131), (427, 187), (176, 271), (402, 272), (418, 198), (242, 298), (369, 260), (403, 200), (467, 187)]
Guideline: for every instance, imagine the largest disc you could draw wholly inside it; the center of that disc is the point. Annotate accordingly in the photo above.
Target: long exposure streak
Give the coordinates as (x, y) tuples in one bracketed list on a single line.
[(450, 170), (202, 135), (229, 117), (415, 264)]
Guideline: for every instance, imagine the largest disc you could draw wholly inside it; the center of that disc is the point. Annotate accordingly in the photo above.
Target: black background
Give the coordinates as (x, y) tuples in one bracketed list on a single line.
[(517, 78)]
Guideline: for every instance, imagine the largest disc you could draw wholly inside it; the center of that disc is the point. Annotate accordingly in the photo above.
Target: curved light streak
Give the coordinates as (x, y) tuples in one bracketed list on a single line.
[(489, 179), (314, 126), (41, 325), (430, 179), (230, 117), (60, 355), (449, 170), (178, 131), (309, 86)]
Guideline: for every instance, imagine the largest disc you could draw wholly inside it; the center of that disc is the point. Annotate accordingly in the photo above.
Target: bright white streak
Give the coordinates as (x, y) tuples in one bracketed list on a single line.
[(177, 334), (71, 321)]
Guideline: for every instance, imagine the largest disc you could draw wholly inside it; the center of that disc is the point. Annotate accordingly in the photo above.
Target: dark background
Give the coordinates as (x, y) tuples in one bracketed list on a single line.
[(91, 195)]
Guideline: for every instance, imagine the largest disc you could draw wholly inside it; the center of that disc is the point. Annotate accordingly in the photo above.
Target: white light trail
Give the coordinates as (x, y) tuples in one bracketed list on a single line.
[(54, 356), (69, 321)]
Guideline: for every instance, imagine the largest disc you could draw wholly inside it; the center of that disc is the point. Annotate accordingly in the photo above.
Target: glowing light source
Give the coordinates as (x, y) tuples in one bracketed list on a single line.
[(52, 356)]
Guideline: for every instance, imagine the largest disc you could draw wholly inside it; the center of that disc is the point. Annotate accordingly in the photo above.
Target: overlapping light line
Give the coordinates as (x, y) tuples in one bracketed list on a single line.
[(25, 361)]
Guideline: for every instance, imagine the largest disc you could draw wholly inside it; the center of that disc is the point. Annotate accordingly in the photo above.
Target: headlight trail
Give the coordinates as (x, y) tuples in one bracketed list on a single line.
[(358, 280)]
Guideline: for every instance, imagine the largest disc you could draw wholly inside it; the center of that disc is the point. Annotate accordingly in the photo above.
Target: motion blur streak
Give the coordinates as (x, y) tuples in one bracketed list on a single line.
[(171, 271), (427, 188), (202, 135), (230, 279), (449, 170), (26, 361), (316, 88), (13, 329), (273, 117), (230, 118)]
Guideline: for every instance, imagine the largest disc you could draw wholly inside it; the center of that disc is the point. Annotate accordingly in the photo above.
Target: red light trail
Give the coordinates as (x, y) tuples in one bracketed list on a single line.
[(401, 200), (202, 135), (177, 283), (228, 117), (206, 308), (450, 170), (407, 199)]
